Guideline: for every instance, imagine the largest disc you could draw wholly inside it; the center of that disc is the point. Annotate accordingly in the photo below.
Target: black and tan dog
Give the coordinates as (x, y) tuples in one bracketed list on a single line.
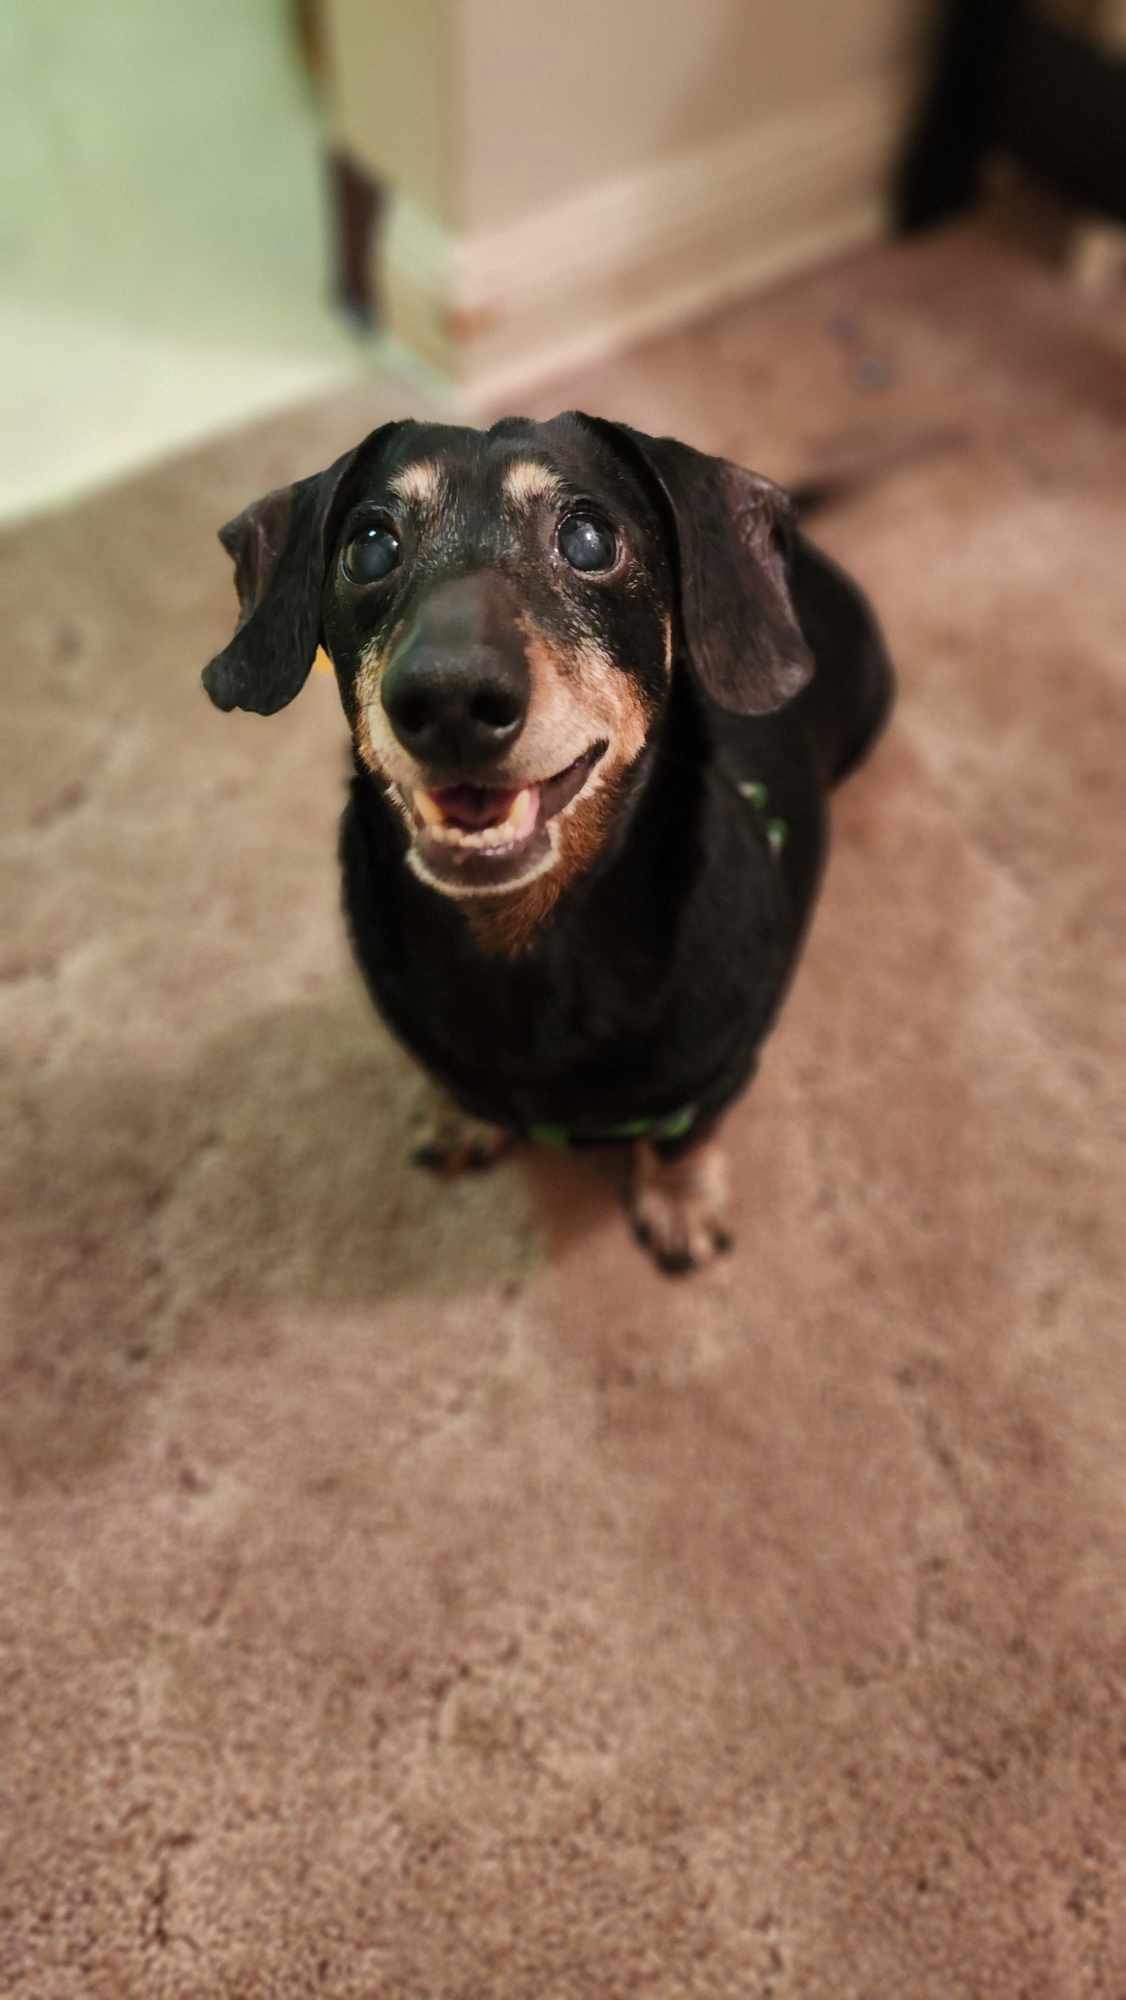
[(599, 686)]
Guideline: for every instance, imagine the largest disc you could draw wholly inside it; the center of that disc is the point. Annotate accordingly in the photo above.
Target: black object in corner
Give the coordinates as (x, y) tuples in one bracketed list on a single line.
[(1006, 78)]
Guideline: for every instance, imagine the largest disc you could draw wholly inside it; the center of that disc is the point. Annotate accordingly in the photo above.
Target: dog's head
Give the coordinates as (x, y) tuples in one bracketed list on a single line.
[(505, 610)]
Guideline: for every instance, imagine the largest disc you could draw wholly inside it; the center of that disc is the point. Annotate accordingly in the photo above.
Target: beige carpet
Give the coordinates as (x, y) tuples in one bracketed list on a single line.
[(407, 1592)]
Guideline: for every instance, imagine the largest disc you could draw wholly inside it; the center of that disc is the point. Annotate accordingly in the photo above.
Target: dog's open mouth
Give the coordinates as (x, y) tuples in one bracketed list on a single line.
[(473, 839)]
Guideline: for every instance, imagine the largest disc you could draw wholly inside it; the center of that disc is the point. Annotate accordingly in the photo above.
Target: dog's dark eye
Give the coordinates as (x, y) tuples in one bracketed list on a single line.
[(586, 542), (372, 554)]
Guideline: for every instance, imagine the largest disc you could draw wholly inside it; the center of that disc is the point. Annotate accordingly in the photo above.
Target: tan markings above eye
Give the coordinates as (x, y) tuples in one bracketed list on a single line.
[(527, 480), (422, 482)]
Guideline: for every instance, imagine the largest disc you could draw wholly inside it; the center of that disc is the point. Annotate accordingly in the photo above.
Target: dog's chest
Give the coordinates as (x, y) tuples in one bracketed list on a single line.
[(575, 1012), (651, 990), (639, 1007)]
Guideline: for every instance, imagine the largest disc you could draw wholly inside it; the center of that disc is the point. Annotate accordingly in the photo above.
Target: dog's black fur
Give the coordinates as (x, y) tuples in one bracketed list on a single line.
[(645, 982)]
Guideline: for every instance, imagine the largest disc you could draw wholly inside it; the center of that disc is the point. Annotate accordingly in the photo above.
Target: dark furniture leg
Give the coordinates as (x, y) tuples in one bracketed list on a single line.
[(1006, 77), (357, 203), (1063, 115), (940, 172)]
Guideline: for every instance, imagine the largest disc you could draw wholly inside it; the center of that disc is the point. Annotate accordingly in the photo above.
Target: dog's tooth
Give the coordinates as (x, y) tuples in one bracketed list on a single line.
[(428, 810), (462, 836), (521, 816)]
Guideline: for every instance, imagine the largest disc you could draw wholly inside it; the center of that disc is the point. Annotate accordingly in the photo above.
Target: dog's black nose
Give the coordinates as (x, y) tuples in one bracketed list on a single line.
[(454, 710), (456, 690)]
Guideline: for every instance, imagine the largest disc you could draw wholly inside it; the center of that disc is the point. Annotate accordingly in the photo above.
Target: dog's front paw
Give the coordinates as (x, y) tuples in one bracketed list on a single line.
[(679, 1207), (448, 1141)]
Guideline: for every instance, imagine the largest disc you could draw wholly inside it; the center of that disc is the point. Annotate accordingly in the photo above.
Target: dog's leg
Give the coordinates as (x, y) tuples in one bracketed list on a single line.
[(449, 1141), (679, 1205)]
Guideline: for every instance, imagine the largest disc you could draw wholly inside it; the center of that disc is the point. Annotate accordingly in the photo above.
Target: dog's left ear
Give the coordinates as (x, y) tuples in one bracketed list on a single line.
[(279, 546), (739, 627)]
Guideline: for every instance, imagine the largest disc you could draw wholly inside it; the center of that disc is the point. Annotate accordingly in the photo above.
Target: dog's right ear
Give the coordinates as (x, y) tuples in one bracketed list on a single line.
[(741, 635), (279, 546)]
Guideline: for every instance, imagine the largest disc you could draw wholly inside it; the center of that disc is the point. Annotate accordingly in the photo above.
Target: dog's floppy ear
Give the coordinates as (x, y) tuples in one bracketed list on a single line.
[(738, 624), (279, 546)]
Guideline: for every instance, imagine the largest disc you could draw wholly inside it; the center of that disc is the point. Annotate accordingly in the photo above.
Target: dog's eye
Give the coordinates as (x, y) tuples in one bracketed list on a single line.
[(586, 542), (372, 554)]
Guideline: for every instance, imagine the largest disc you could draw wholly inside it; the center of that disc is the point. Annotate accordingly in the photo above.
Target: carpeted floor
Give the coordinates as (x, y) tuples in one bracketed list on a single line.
[(407, 1592)]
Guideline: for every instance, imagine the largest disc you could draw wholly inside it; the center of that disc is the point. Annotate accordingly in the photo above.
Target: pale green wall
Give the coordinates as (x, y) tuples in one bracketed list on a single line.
[(162, 269)]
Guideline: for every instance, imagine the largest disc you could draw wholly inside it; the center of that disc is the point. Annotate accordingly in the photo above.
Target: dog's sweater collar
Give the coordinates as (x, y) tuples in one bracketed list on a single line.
[(672, 1125)]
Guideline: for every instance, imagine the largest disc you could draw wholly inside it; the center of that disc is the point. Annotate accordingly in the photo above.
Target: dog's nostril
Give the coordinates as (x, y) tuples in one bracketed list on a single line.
[(496, 709), (412, 714)]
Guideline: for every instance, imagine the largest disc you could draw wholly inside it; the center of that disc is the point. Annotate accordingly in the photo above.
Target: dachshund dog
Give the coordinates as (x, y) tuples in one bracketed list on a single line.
[(599, 686)]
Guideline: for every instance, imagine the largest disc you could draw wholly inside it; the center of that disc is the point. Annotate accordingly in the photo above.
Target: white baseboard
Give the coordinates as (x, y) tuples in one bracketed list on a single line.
[(500, 309)]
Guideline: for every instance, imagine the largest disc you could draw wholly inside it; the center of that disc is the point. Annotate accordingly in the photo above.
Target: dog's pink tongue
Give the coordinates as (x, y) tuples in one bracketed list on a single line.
[(472, 806)]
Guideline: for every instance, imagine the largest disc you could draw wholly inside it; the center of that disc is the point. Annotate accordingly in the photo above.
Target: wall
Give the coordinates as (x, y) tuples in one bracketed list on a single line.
[(559, 97), (570, 176), (162, 243), (395, 71)]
